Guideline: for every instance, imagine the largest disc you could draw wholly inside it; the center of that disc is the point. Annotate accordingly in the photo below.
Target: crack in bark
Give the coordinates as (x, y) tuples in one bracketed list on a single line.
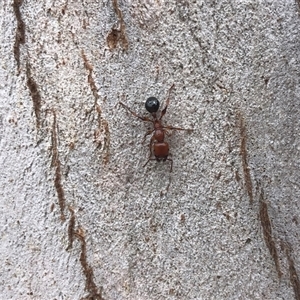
[(244, 154), (117, 35), (71, 228), (20, 31), (102, 136), (103, 128), (91, 287), (91, 80), (104, 131), (56, 163), (267, 232), (298, 4), (35, 95), (294, 278), (64, 8)]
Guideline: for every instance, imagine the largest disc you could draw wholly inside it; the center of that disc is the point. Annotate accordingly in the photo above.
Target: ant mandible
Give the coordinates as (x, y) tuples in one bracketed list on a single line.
[(157, 145)]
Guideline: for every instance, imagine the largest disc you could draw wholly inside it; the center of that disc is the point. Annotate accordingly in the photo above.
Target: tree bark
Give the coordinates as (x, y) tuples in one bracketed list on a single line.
[(82, 218)]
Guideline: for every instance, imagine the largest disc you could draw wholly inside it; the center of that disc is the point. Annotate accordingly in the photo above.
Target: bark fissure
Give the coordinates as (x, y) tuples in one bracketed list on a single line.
[(95, 293), (267, 232), (117, 35), (58, 174), (35, 95), (244, 155), (20, 31)]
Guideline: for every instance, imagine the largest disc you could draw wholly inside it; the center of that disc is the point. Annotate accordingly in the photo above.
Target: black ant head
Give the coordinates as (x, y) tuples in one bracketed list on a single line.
[(152, 105)]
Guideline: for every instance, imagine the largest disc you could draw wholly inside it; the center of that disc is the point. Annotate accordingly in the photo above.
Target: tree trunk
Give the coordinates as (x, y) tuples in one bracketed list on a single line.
[(82, 218)]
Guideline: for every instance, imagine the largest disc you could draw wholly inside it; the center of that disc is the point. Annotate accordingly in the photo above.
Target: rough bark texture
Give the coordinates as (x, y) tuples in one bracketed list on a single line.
[(81, 218)]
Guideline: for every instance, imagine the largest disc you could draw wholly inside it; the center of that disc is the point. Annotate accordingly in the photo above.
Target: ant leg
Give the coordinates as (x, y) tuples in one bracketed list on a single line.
[(148, 161), (135, 114), (171, 160), (163, 112), (147, 133), (150, 146), (176, 128)]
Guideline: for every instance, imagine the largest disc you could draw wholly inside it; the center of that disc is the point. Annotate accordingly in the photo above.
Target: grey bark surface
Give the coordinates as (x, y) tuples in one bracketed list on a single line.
[(80, 216)]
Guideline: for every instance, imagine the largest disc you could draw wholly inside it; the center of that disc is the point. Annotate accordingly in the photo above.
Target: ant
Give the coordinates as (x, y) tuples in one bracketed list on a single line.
[(157, 145)]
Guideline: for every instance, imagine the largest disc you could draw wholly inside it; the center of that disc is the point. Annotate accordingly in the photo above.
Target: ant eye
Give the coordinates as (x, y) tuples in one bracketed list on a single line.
[(152, 104)]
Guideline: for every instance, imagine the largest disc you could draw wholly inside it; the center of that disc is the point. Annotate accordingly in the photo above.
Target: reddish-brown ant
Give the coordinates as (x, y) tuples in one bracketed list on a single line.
[(157, 145)]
